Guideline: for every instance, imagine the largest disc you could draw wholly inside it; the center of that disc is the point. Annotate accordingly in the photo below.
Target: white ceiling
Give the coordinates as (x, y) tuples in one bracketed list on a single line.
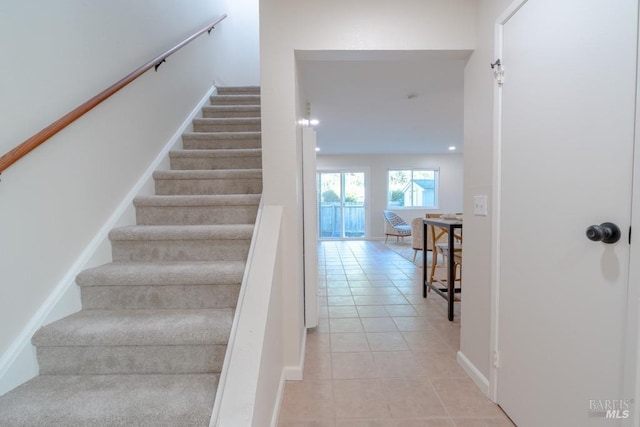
[(385, 101)]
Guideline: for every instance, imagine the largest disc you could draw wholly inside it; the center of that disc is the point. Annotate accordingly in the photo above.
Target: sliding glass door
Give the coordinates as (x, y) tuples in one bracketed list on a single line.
[(341, 207)]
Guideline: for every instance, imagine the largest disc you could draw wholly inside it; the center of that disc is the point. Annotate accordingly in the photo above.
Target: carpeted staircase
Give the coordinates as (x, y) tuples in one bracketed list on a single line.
[(148, 346)]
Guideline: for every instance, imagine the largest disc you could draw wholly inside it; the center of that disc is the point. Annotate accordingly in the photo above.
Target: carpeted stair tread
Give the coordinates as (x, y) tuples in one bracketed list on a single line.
[(222, 153), (199, 200), (163, 274), (183, 243), (131, 359), (224, 159), (209, 174), (211, 181), (233, 108), (242, 99), (137, 328), (111, 400), (208, 136), (221, 140), (197, 209), (227, 124), (160, 297), (228, 120), (231, 111), (229, 90), (182, 232)]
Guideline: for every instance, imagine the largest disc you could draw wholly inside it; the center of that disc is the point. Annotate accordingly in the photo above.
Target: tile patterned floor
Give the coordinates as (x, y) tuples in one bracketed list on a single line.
[(382, 356)]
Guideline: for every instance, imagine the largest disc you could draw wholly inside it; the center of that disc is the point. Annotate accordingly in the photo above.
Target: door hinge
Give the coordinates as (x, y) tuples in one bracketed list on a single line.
[(498, 72), (629, 234), (496, 360)]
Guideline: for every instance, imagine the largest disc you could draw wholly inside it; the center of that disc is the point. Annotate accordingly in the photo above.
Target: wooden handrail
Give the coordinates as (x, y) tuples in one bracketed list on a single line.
[(23, 149)]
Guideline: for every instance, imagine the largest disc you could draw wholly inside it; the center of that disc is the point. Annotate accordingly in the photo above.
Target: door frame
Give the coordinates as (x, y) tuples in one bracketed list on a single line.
[(497, 202), (632, 383), (310, 224)]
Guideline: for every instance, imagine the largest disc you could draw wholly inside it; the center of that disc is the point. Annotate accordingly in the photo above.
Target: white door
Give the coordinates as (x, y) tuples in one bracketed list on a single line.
[(566, 163)]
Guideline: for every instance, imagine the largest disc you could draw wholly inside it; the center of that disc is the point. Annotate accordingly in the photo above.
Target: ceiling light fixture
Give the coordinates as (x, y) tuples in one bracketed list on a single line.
[(317, 148), (452, 148), (308, 122)]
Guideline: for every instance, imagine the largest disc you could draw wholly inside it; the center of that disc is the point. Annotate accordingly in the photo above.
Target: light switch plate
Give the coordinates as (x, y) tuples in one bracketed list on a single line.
[(480, 205)]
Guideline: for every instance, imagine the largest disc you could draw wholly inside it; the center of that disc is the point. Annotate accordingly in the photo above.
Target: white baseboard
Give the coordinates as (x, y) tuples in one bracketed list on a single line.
[(18, 367), (289, 373), (474, 373), (294, 373), (278, 402), (18, 364)]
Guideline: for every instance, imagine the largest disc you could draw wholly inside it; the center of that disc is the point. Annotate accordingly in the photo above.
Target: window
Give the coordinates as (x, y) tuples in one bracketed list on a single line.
[(413, 188)]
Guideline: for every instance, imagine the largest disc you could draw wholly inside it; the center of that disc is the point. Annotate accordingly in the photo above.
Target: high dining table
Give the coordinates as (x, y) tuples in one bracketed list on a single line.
[(448, 293)]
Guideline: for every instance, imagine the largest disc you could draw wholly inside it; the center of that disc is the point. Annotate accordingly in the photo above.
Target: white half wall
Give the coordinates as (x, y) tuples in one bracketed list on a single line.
[(252, 379), (377, 166), (290, 25), (55, 200)]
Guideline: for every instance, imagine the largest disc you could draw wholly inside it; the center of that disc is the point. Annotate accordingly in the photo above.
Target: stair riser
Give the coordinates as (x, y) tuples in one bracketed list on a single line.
[(196, 215), (226, 127), (220, 114), (108, 360), (213, 144), (159, 297), (235, 100), (208, 163), (208, 186), (180, 250)]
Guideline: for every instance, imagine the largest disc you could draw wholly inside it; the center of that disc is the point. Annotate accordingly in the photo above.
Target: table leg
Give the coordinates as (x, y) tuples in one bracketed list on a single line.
[(424, 259), (451, 273)]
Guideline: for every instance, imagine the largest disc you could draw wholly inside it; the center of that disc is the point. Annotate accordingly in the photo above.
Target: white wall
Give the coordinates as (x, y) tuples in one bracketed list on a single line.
[(289, 25), (56, 56), (377, 165), (238, 45), (478, 179)]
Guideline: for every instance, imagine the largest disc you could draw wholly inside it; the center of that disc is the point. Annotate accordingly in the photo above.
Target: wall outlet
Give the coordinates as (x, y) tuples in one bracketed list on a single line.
[(480, 205)]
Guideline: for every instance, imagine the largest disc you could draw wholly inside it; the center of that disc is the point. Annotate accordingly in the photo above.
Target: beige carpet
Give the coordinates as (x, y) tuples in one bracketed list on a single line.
[(405, 250)]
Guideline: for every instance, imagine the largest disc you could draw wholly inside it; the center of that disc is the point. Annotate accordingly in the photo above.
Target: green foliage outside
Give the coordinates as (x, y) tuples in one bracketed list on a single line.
[(330, 196), (397, 198), (350, 198)]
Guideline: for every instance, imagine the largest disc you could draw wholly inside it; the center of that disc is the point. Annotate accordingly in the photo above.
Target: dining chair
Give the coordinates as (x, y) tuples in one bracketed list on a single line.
[(440, 245), (417, 237)]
